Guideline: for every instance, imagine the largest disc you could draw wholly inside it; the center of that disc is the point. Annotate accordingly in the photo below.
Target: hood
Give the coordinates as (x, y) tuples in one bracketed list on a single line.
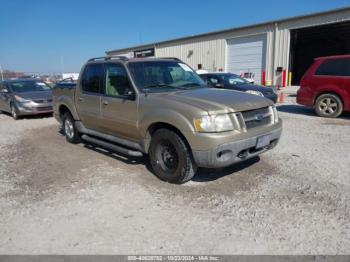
[(245, 87), (35, 95), (216, 101)]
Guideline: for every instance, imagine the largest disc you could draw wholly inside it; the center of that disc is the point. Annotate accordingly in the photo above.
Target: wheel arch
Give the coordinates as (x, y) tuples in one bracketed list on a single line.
[(163, 125), (62, 109), (333, 92)]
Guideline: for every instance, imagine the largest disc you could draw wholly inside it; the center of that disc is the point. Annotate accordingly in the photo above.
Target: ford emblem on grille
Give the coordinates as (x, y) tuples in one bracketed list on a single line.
[(259, 117)]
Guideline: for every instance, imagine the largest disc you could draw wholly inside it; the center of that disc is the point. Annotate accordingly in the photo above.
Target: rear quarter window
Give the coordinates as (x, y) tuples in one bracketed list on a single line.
[(334, 67)]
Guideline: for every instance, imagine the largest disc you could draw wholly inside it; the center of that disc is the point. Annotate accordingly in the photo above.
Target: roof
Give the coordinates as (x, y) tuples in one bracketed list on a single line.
[(333, 57), (229, 30), (126, 59)]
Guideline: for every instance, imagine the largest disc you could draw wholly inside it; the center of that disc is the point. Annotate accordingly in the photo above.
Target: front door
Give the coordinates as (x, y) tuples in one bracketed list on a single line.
[(119, 106), (4, 97)]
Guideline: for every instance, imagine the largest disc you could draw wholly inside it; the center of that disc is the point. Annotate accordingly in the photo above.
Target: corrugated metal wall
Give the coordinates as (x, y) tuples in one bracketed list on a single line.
[(210, 53), (211, 50)]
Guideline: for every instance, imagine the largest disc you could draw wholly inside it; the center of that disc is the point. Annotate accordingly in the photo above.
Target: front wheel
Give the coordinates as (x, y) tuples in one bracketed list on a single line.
[(328, 105), (14, 112), (171, 158), (70, 130)]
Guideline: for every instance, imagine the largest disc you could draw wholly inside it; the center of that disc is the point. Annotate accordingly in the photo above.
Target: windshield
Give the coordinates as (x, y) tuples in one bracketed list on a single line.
[(164, 76), (234, 79), (28, 86)]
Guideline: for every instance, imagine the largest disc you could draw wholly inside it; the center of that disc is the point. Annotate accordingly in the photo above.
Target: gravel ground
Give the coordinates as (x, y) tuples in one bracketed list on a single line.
[(71, 199)]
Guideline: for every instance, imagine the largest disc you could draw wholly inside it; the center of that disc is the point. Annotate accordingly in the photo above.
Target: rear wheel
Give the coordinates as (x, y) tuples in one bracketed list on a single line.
[(170, 157), (328, 105), (70, 130)]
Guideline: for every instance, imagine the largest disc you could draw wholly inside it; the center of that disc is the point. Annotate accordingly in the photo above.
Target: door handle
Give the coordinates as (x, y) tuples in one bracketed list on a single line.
[(105, 103), (80, 99)]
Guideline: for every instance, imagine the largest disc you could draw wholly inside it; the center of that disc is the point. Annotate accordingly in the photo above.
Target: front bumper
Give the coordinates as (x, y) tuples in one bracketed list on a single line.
[(24, 109), (235, 151)]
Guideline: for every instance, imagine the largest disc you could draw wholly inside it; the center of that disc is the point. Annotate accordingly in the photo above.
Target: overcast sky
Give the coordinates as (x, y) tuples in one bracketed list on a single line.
[(44, 36)]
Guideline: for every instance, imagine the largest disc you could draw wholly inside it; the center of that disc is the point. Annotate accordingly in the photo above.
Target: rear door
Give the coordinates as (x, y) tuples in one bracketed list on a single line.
[(119, 104), (88, 96), (331, 74)]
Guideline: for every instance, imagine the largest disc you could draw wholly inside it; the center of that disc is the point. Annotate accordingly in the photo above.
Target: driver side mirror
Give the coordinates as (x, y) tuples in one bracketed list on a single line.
[(131, 95)]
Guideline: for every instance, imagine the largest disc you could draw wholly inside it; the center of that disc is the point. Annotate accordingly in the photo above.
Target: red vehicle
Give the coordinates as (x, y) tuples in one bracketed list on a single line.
[(326, 86)]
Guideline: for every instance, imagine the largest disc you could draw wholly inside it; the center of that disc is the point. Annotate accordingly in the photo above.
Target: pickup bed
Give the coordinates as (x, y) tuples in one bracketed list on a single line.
[(162, 108)]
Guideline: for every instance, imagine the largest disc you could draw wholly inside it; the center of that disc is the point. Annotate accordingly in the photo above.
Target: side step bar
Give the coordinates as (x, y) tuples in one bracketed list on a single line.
[(112, 147), (120, 141)]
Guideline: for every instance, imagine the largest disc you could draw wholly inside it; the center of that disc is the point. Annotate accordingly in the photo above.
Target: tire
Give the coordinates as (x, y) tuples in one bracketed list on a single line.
[(170, 157), (70, 130), (329, 105), (14, 112)]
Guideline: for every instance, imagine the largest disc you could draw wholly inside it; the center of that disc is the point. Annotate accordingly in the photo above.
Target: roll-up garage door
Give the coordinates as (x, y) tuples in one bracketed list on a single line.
[(247, 55)]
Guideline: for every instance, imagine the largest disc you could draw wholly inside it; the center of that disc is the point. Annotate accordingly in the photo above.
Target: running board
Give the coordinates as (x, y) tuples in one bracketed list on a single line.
[(120, 141), (112, 147)]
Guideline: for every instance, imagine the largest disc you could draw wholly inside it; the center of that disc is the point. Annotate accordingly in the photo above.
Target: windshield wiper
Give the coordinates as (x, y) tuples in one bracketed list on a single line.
[(191, 85), (158, 86), (149, 87)]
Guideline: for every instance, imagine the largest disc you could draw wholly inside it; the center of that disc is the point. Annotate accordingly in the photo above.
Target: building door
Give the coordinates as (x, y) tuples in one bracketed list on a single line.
[(317, 41), (247, 56)]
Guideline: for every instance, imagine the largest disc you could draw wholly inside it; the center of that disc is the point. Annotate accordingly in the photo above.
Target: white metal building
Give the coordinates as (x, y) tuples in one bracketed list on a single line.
[(276, 52)]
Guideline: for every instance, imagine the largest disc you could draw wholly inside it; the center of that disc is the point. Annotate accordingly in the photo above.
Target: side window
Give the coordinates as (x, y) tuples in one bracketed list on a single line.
[(117, 81), (92, 79), (213, 80), (334, 67)]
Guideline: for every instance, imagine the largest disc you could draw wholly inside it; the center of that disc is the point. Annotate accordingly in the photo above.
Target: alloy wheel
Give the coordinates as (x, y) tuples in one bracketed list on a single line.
[(13, 112), (69, 128), (328, 106)]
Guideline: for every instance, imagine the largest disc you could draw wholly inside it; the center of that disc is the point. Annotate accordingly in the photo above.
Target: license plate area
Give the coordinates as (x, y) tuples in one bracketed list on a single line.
[(263, 141)]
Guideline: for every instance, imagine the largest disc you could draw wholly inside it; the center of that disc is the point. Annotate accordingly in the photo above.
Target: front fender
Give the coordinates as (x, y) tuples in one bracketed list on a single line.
[(167, 116)]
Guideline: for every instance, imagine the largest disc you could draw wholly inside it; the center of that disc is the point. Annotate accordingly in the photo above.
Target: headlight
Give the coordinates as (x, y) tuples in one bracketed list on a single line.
[(22, 100), (275, 114), (218, 123), (253, 92)]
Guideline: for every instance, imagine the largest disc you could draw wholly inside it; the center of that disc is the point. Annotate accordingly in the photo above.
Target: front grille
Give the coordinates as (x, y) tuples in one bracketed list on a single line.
[(44, 108), (255, 123), (42, 101), (257, 117)]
